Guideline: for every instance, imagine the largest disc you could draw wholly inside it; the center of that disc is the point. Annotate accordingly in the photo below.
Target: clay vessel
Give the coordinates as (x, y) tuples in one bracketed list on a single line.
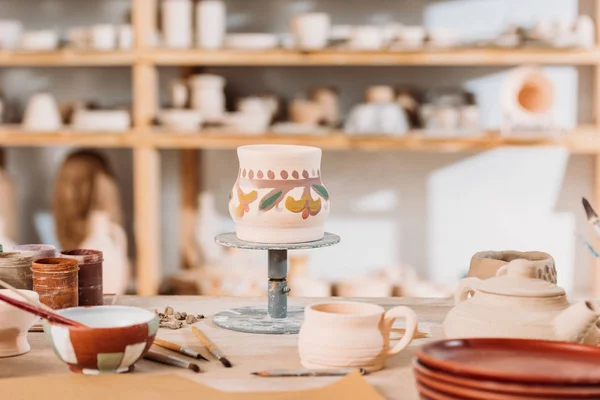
[(56, 281), (115, 338), (37, 251), (485, 264), (14, 324), (90, 275), (278, 196), (351, 335), (516, 303), (15, 269)]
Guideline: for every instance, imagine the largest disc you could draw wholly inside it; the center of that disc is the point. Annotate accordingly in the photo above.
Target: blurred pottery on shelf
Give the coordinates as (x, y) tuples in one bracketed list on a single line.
[(379, 94), (125, 37), (305, 112), (101, 120), (308, 287), (244, 122), (412, 37), (352, 335), (42, 113), (208, 96), (516, 303), (177, 23), (293, 128), (584, 32), (469, 116), (14, 325), (443, 37), (311, 30), (44, 40), (181, 119), (104, 37), (365, 286), (9, 210), (366, 37), (251, 41), (211, 23), (328, 100), (278, 196), (390, 33), (10, 34), (377, 118), (485, 264), (258, 105), (340, 33), (180, 93)]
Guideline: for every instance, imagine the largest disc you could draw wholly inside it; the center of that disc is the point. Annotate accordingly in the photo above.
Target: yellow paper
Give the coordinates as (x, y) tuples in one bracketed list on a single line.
[(160, 387)]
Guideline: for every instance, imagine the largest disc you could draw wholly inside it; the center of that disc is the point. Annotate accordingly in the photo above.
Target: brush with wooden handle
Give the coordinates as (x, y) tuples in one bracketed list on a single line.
[(280, 373), (211, 347), (172, 361), (186, 351)]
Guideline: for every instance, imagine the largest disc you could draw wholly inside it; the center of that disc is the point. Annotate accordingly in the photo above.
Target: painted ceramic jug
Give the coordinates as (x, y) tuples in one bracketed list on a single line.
[(351, 335), (516, 303), (278, 196)]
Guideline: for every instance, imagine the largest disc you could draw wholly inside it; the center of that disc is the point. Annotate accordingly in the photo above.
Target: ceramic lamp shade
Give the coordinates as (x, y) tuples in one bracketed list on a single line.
[(278, 196)]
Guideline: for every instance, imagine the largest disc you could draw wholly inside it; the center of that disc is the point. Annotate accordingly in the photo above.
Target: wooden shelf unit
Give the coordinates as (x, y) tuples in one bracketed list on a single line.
[(146, 140)]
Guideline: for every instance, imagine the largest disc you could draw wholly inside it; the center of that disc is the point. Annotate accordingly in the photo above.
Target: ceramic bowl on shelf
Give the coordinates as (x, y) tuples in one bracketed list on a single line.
[(14, 324), (181, 119), (113, 340), (44, 40), (366, 37), (251, 41), (412, 36), (245, 122), (101, 120)]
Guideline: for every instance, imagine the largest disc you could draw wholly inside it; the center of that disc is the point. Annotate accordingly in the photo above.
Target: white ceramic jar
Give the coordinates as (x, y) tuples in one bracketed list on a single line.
[(311, 30), (210, 24), (208, 96), (177, 23), (278, 196)]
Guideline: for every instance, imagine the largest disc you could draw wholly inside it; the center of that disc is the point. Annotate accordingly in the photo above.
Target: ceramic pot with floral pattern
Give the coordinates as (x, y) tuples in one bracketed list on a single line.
[(278, 196)]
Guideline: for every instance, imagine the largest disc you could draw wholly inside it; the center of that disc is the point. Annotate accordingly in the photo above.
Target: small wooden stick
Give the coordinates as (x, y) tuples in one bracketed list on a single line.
[(50, 316)]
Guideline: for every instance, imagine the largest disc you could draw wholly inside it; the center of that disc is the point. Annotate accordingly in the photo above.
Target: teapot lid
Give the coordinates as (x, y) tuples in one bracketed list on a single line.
[(520, 278)]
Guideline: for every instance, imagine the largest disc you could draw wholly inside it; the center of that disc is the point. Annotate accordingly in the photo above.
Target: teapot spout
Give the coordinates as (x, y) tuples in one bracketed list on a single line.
[(577, 322)]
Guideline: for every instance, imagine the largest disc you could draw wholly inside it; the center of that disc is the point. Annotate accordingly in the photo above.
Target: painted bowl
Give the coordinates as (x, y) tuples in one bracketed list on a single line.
[(115, 338), (14, 324)]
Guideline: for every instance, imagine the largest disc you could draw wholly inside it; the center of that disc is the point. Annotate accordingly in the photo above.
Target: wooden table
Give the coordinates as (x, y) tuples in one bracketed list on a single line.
[(248, 352)]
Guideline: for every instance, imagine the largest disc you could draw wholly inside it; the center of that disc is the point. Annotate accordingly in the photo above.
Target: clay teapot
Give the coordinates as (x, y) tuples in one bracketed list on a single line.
[(516, 303)]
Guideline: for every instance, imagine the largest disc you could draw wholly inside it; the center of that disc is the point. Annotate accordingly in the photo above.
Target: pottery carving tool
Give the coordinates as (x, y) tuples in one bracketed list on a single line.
[(186, 351), (591, 215), (211, 347), (280, 373), (172, 361)]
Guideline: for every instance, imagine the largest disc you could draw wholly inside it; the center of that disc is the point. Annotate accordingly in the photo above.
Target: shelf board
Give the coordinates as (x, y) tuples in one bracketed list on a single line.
[(66, 58), (477, 56), (14, 136)]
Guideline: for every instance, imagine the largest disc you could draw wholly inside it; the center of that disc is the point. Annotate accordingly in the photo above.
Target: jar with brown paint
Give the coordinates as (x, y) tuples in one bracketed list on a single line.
[(56, 281), (90, 275), (15, 269), (37, 251)]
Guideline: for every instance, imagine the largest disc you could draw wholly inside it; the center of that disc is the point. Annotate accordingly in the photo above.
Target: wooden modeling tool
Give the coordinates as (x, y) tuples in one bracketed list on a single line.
[(211, 347), (172, 361), (186, 351), (40, 312), (280, 373)]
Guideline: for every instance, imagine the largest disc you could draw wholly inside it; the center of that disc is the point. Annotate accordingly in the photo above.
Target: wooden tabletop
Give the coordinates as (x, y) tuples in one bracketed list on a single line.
[(248, 352)]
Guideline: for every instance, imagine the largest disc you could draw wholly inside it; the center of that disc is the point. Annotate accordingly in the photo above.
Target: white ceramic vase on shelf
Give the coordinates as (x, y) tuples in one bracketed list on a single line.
[(278, 196), (208, 96), (210, 24), (311, 30), (177, 23), (109, 238), (42, 113)]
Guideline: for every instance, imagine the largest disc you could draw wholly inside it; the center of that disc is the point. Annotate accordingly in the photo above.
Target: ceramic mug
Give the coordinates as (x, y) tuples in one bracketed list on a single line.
[(311, 30), (352, 335)]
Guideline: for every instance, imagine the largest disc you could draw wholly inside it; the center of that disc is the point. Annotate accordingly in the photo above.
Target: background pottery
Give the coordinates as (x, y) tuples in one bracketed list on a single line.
[(14, 324), (116, 338), (351, 335), (278, 196), (485, 264)]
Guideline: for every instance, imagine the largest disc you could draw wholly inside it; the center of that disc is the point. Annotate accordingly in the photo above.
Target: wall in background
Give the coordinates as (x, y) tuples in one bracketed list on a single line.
[(432, 211)]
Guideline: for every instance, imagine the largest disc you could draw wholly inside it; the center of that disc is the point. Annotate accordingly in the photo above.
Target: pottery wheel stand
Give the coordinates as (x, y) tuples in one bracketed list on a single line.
[(277, 318)]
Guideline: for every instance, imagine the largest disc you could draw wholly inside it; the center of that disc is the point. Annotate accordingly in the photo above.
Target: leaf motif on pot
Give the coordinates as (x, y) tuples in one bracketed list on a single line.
[(321, 191), (270, 200)]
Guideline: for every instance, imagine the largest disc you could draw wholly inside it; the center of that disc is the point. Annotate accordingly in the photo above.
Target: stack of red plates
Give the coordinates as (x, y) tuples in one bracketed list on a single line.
[(507, 369)]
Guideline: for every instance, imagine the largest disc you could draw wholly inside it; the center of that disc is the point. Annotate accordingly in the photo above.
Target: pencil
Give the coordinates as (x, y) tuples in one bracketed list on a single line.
[(170, 360), (186, 351), (277, 373), (211, 347)]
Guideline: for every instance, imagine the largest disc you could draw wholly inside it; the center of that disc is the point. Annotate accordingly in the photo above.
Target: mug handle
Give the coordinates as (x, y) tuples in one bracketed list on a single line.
[(465, 287), (412, 323)]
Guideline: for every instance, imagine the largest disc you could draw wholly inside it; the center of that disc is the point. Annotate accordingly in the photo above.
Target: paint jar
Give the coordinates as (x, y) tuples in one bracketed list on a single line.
[(56, 281), (15, 269), (37, 251), (90, 275)]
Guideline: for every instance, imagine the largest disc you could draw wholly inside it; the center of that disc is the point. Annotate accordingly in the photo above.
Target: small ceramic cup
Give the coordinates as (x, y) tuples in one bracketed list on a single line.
[(104, 36), (352, 335), (311, 30), (14, 324)]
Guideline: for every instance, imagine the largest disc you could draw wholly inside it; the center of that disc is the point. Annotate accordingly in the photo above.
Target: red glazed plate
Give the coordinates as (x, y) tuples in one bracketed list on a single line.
[(554, 391), (428, 393), (516, 360)]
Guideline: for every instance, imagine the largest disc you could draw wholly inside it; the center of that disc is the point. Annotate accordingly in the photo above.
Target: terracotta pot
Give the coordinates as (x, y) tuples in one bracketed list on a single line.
[(486, 264), (36, 251), (56, 281), (14, 324), (116, 337), (90, 275), (351, 335), (278, 196), (15, 269)]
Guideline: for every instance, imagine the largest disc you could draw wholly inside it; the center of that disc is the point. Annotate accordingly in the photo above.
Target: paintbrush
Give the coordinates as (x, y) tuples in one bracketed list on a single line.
[(587, 244), (170, 360), (591, 215), (280, 373), (40, 312), (186, 351), (211, 347)]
